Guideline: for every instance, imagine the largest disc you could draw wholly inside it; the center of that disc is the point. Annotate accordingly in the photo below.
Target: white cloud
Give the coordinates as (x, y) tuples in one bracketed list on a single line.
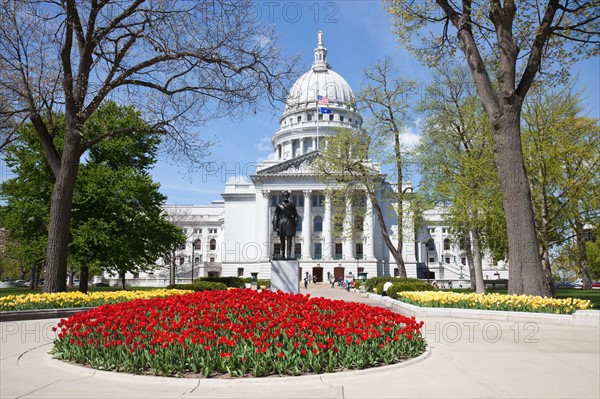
[(410, 138), (270, 157), (264, 144)]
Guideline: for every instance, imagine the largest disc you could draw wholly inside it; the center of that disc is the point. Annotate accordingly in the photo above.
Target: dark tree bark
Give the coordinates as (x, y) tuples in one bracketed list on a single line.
[(84, 276)]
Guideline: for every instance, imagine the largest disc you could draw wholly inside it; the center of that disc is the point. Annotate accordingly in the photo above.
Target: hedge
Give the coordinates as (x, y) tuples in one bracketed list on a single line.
[(400, 286), (200, 286), (235, 282)]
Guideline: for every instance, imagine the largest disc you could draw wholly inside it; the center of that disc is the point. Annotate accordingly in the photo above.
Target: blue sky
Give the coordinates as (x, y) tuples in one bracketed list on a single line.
[(357, 34)]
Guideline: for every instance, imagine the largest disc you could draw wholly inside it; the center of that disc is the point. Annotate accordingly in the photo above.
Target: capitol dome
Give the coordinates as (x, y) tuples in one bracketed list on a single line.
[(317, 103)]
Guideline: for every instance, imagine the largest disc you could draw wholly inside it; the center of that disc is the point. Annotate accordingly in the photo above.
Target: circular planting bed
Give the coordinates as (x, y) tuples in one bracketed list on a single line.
[(237, 333)]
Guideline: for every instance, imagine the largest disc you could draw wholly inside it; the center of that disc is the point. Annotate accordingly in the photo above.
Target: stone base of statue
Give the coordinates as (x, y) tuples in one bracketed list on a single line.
[(284, 275)]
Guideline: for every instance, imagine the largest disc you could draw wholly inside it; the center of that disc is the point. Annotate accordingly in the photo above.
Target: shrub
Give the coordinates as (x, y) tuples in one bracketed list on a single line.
[(200, 286), (236, 282), (408, 285), (378, 282)]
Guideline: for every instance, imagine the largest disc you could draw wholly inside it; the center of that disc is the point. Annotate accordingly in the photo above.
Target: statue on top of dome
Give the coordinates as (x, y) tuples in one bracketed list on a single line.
[(320, 34)]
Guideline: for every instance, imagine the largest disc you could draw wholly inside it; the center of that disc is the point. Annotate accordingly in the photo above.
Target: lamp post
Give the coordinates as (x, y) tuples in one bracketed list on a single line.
[(193, 259)]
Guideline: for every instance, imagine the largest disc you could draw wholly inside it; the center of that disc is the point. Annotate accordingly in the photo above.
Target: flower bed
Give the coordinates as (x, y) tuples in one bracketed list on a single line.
[(238, 333), (61, 300), (517, 303)]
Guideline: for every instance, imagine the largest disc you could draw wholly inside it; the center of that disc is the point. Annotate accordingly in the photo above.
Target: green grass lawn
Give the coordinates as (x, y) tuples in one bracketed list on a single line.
[(590, 295), (91, 288)]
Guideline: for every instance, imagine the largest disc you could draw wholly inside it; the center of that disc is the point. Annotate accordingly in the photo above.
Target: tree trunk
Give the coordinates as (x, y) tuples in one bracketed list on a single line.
[(582, 255), (526, 273), (544, 242), (84, 276), (122, 275), (470, 262), (173, 266), (386, 237), (476, 242), (33, 281), (60, 213)]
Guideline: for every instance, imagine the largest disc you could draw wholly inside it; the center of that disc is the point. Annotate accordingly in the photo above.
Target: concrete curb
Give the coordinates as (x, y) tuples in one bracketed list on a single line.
[(40, 314), (192, 382), (581, 318)]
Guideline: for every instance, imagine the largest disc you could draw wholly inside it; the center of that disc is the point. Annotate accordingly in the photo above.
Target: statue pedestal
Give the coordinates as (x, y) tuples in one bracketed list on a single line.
[(284, 275)]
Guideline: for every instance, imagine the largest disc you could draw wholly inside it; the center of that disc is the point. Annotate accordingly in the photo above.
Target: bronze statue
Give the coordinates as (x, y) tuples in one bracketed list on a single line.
[(284, 223)]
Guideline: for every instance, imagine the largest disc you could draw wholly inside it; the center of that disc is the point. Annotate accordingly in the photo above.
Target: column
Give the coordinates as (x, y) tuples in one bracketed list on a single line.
[(263, 224), (307, 226), (347, 234), (205, 247), (368, 232), (327, 231)]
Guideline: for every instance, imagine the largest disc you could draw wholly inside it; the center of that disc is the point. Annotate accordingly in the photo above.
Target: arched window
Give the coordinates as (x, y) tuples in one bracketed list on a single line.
[(213, 244), (197, 244), (447, 244), (318, 224)]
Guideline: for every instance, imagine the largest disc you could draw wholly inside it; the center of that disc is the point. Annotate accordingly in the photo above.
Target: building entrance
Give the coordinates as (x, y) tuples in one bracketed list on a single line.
[(318, 273), (338, 272)]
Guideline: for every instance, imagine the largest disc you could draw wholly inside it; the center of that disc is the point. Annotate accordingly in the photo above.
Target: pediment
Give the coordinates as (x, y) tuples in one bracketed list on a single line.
[(294, 166)]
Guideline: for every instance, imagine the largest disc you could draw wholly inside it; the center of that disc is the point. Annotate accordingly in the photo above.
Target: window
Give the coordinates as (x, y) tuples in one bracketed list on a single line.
[(309, 117), (318, 250), (338, 250), (431, 231), (213, 244), (318, 224), (359, 250), (240, 272), (299, 224), (431, 245), (212, 260), (463, 260), (197, 260), (447, 259), (298, 250), (136, 275), (299, 118), (444, 230), (276, 249), (198, 244), (212, 231), (318, 200), (181, 260), (330, 117), (447, 244), (301, 200), (341, 118), (291, 120), (197, 231), (431, 259), (320, 117)]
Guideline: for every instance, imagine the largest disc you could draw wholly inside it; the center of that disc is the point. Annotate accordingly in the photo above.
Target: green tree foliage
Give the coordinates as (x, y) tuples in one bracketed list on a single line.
[(505, 45), (117, 223), (352, 179), (181, 62), (562, 156), (384, 95), (457, 166)]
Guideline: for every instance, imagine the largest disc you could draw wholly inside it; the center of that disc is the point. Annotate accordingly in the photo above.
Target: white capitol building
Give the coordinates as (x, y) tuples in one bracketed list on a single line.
[(234, 236)]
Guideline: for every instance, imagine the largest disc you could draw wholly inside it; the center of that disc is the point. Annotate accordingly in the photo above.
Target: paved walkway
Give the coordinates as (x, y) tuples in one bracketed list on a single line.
[(467, 359)]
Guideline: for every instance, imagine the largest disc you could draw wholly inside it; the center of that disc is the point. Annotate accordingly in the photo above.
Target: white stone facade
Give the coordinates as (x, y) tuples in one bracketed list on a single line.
[(240, 225)]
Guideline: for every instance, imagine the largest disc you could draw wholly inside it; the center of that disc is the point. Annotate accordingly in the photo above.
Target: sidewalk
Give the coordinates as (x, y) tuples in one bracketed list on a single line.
[(467, 358)]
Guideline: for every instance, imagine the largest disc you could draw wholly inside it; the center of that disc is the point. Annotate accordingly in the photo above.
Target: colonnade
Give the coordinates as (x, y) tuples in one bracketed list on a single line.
[(308, 236)]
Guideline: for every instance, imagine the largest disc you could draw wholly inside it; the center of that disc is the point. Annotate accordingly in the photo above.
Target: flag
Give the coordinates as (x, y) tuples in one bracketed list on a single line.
[(325, 110), (322, 100)]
